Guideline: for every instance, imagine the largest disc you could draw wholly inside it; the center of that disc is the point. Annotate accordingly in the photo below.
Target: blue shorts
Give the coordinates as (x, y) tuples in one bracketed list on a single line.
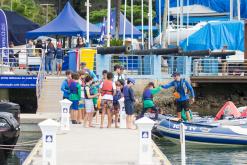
[(129, 107), (75, 105), (82, 104)]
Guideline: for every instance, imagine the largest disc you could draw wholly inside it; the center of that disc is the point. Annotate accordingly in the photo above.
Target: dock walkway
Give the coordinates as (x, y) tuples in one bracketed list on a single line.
[(96, 146)]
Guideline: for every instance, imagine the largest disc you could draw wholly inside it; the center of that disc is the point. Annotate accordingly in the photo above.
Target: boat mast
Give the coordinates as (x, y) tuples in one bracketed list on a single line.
[(124, 32), (165, 17), (108, 22)]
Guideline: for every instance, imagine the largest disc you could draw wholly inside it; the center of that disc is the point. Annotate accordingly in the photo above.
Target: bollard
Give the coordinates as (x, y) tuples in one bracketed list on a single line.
[(65, 115), (145, 126), (49, 128), (122, 113), (182, 141)]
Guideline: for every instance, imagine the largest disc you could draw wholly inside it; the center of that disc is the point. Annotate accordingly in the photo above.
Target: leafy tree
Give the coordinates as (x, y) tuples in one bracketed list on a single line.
[(29, 9), (98, 15)]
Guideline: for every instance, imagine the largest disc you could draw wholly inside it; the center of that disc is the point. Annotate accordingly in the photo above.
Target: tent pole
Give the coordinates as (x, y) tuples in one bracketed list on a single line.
[(132, 24), (168, 15), (151, 22), (188, 3), (108, 23), (124, 32), (142, 27)]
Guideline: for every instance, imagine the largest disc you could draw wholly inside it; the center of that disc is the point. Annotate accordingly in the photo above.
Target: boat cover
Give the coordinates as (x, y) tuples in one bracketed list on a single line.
[(215, 35), (229, 109)]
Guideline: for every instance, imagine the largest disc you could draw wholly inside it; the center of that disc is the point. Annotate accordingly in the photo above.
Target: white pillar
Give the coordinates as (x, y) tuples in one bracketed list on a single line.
[(122, 113), (182, 141), (145, 126), (49, 128), (108, 23), (65, 115)]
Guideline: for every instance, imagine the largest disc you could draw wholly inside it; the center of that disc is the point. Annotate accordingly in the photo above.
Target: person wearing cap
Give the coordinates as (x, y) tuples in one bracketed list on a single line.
[(147, 97), (183, 92), (129, 100), (49, 57), (59, 58), (88, 71)]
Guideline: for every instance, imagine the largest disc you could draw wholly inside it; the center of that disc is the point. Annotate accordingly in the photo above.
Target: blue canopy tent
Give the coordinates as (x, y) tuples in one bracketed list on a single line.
[(136, 32), (215, 35), (67, 23), (220, 6)]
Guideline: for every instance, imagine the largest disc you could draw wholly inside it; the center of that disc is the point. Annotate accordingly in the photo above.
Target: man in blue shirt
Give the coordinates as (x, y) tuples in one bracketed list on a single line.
[(181, 94)]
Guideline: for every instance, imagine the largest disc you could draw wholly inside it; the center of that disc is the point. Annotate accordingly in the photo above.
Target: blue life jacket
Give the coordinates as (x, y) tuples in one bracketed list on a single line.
[(147, 95), (73, 88), (181, 86)]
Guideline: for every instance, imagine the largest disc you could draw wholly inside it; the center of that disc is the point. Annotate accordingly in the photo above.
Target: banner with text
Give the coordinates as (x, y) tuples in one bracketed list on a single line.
[(18, 81)]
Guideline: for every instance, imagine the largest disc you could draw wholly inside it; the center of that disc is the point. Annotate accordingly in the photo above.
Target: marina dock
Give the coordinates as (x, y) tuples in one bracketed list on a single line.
[(89, 146)]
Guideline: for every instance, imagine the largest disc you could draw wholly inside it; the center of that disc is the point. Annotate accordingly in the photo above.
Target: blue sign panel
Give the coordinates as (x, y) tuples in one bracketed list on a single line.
[(18, 81), (3, 33), (145, 134), (48, 138)]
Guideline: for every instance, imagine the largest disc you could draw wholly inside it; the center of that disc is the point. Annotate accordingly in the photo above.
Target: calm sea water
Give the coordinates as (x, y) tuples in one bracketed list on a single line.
[(203, 155), (18, 157)]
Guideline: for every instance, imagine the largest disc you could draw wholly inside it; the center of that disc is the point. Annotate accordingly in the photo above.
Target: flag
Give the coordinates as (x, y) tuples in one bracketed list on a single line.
[(4, 34), (103, 32)]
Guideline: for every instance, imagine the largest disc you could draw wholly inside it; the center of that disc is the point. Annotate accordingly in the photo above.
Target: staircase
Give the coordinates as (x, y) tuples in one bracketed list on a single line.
[(50, 96)]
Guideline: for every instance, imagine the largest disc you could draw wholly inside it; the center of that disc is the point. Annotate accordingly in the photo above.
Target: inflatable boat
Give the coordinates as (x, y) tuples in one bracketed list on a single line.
[(229, 127), (203, 132), (9, 128)]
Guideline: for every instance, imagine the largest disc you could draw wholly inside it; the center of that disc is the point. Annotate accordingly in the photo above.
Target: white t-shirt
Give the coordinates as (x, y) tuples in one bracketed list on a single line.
[(107, 96), (118, 77)]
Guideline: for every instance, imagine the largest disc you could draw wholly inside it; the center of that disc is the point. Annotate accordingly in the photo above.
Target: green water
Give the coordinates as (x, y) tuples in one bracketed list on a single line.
[(203, 155), (17, 157)]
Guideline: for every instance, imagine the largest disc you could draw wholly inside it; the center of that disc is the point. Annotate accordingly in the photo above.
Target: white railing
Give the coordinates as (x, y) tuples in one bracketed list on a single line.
[(219, 67)]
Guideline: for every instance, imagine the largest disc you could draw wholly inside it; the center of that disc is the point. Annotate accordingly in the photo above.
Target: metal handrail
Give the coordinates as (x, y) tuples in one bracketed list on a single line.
[(40, 76)]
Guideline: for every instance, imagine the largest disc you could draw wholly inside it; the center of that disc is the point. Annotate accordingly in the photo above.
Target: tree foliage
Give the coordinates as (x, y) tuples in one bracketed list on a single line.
[(98, 15), (29, 9)]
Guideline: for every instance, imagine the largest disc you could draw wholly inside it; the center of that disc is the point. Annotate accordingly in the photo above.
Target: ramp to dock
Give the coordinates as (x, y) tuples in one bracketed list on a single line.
[(51, 94)]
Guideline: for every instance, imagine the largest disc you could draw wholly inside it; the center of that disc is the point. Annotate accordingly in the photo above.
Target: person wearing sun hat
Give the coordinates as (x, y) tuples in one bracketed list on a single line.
[(129, 100), (183, 92)]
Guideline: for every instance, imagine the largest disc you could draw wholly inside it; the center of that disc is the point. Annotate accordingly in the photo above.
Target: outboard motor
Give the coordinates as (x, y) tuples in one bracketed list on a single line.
[(9, 128)]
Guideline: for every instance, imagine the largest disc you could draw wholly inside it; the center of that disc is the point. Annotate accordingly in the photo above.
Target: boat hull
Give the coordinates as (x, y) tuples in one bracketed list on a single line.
[(197, 133)]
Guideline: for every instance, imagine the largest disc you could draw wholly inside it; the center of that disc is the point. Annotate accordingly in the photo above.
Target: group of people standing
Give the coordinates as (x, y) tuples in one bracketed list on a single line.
[(89, 95)]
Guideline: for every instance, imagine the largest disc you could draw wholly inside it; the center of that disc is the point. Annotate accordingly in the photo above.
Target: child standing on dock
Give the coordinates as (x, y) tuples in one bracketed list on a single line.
[(75, 96), (89, 102), (65, 85), (116, 97), (107, 90), (95, 90), (129, 100), (82, 101), (148, 102)]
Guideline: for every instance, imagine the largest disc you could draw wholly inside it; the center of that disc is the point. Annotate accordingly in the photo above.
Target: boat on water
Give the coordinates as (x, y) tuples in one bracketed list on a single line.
[(9, 128), (227, 128)]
